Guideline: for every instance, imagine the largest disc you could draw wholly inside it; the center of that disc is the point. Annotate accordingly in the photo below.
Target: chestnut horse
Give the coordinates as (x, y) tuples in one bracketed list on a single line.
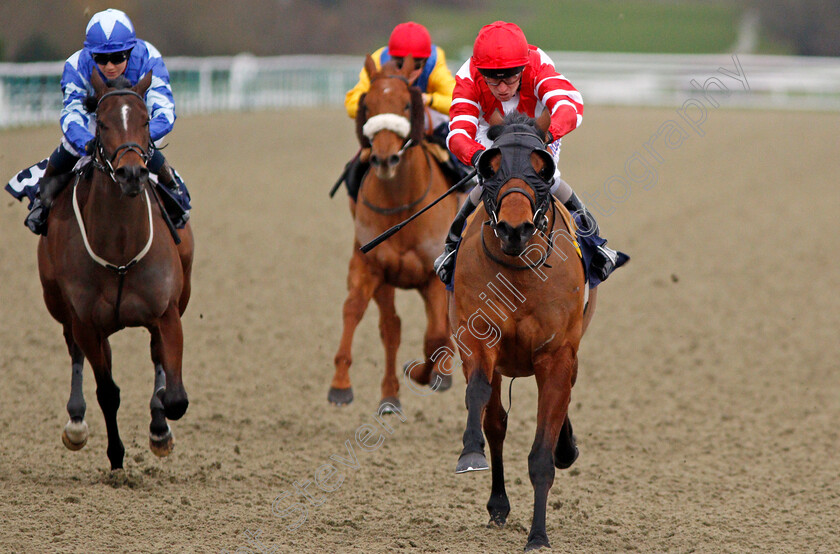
[(403, 179), (109, 262), (519, 291)]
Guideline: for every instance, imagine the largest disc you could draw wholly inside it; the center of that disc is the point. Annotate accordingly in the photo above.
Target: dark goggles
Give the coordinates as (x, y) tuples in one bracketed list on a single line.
[(115, 58), (418, 62), (503, 74)]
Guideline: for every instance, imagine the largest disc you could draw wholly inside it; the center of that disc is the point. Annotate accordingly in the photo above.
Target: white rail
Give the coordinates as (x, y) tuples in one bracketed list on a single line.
[(30, 93)]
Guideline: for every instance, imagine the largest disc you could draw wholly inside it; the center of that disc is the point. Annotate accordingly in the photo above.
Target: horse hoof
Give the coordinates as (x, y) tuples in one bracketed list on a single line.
[(566, 461), (566, 454), (440, 382), (390, 405), (162, 446), (473, 461), (340, 397), (497, 521), (413, 369), (75, 435), (536, 543)]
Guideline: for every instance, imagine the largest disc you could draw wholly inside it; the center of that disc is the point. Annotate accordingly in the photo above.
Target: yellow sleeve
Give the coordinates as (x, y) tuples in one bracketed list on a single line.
[(351, 99), (441, 84)]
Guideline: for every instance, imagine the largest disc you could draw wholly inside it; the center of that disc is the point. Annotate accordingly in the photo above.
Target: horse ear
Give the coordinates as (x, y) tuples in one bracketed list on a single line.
[(407, 70), (98, 84), (143, 84), (496, 118), (544, 122), (370, 67)]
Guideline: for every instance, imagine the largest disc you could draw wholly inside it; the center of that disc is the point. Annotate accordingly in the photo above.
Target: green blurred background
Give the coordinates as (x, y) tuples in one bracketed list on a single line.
[(33, 30)]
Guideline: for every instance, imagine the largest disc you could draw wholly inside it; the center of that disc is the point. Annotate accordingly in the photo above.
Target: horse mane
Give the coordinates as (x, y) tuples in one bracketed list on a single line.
[(120, 82), (515, 122)]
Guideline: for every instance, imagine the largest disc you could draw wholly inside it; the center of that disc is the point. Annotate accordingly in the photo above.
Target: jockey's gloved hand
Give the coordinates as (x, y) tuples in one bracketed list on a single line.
[(90, 147)]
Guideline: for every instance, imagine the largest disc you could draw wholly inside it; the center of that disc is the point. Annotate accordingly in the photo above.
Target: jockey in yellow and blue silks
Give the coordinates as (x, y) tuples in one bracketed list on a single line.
[(435, 81), (112, 48)]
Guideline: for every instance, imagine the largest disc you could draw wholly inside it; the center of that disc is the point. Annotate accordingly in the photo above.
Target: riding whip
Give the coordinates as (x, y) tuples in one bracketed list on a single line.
[(393, 230)]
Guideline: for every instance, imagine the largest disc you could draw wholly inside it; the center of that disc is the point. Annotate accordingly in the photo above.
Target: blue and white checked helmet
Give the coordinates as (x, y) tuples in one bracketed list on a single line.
[(109, 31)]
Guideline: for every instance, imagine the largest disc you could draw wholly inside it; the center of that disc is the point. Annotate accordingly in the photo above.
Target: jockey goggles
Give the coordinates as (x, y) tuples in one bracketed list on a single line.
[(116, 58), (507, 75)]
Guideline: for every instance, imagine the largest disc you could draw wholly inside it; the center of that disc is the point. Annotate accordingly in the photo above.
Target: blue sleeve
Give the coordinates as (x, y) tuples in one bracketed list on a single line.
[(75, 120), (159, 98)]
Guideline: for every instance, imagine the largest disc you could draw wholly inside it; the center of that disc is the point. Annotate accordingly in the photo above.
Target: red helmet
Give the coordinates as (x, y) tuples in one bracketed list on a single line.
[(410, 39), (500, 45)]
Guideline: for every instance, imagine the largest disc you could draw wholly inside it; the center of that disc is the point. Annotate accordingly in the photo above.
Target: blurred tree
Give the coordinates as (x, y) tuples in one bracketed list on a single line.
[(812, 27), (37, 47)]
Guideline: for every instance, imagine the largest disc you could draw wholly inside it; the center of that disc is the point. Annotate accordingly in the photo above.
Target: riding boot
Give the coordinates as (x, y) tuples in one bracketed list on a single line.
[(49, 185), (356, 170), (445, 263), (604, 259), (175, 195)]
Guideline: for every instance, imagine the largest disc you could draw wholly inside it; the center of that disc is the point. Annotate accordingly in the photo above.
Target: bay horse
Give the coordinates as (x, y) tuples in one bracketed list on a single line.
[(403, 179), (108, 262), (519, 290)]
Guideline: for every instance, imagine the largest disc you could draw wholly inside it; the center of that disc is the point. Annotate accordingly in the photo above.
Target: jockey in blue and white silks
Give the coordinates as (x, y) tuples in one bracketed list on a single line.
[(112, 48), (77, 125)]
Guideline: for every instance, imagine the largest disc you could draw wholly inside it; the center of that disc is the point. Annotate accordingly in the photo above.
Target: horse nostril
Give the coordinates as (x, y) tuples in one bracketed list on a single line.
[(393, 160), (375, 161)]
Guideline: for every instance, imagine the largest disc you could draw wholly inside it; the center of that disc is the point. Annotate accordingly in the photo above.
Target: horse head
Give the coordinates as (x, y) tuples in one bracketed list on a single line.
[(391, 114), (518, 173), (122, 144)]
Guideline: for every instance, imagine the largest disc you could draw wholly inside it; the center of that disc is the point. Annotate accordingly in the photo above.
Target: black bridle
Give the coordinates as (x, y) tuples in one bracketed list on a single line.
[(516, 147), (106, 163)]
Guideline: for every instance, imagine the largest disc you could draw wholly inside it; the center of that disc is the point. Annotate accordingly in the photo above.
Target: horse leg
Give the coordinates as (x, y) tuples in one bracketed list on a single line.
[(167, 346), (554, 383), (75, 434), (436, 337), (566, 451), (98, 352), (478, 394), (495, 428), (390, 332), (161, 439), (360, 284)]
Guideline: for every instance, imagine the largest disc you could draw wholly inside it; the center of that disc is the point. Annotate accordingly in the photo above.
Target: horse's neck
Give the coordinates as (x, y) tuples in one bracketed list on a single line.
[(116, 225)]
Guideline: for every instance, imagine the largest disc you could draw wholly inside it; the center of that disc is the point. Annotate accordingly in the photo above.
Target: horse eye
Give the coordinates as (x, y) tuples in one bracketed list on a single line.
[(408, 107)]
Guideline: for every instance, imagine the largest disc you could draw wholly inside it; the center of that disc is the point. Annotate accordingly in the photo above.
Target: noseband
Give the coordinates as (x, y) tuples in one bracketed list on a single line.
[(106, 163)]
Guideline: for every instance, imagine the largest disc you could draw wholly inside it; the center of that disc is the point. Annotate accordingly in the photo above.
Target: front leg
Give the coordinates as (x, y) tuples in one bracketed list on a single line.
[(495, 428), (361, 284), (75, 434), (478, 394), (167, 351)]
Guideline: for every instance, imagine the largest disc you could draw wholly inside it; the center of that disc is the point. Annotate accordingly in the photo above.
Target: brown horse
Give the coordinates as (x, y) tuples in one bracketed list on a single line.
[(518, 305), (403, 179), (109, 262)]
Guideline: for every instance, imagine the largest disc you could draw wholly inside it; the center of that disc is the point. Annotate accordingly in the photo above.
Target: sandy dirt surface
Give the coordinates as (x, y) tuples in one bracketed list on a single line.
[(706, 408)]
